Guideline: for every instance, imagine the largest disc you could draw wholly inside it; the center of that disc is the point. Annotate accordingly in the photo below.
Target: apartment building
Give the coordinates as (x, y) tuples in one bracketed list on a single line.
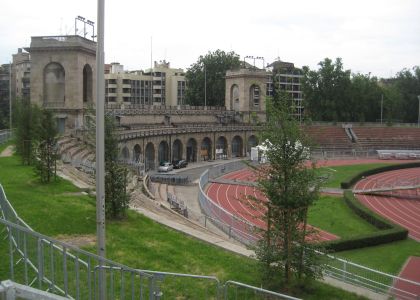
[(161, 85), (21, 75), (288, 79)]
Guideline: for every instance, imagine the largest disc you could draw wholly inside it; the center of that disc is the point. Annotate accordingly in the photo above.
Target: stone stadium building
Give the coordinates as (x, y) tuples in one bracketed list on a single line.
[(154, 123)]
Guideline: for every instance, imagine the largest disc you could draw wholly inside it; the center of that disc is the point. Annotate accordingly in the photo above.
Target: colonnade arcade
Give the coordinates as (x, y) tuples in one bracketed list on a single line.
[(202, 147)]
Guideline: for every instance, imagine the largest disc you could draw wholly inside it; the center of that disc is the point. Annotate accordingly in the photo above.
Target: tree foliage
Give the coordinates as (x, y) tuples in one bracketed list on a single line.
[(327, 91), (211, 69), (116, 197), (45, 146), (290, 187), (26, 121), (334, 94)]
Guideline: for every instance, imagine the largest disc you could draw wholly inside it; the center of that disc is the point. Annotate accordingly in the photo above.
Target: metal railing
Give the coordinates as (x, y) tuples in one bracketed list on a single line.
[(340, 269), (44, 263), (5, 135)]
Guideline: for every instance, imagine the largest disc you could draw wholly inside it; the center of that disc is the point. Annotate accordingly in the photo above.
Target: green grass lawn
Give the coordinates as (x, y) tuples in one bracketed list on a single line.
[(337, 174), (388, 258), (136, 241), (333, 215)]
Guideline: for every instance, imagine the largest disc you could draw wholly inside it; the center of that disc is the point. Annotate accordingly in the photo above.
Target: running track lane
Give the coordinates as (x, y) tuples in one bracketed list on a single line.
[(410, 271), (235, 199), (405, 212)]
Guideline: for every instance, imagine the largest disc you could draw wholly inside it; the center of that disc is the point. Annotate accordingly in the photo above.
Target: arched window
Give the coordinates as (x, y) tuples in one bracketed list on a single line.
[(87, 83), (237, 146), (54, 83), (234, 97)]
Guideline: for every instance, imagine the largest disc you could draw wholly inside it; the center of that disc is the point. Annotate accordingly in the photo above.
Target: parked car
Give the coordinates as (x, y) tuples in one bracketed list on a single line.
[(180, 163), (165, 167)]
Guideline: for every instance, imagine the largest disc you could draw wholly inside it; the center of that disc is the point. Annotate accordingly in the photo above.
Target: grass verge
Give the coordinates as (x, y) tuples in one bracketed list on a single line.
[(337, 174), (341, 220), (136, 241)]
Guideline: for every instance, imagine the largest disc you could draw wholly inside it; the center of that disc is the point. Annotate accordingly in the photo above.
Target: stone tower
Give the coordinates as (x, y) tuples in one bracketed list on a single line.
[(63, 77), (246, 91)]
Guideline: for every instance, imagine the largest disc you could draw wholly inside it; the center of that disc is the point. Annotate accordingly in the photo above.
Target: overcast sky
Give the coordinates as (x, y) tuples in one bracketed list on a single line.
[(381, 37)]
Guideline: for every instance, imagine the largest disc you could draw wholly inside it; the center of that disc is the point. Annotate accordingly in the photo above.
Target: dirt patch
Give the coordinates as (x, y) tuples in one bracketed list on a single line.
[(8, 151), (77, 240)]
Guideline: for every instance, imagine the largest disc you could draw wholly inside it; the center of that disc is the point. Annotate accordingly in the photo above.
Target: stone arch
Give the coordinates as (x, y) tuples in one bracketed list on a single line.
[(254, 97), (87, 84), (163, 151), (149, 162), (206, 149), (54, 83), (191, 150), (221, 147), (177, 150), (234, 97), (125, 153), (237, 146), (137, 153), (252, 142)]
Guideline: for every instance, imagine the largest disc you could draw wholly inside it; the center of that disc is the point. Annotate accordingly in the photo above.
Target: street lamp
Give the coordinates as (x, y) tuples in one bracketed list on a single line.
[(418, 116), (205, 87), (100, 148), (382, 107), (10, 96)]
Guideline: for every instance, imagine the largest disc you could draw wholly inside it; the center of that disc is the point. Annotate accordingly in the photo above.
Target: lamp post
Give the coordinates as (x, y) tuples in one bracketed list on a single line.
[(418, 116), (100, 148), (382, 107), (10, 96), (205, 87)]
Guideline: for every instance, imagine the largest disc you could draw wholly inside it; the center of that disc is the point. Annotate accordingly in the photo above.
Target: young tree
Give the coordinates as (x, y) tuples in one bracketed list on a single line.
[(290, 186), (26, 120), (45, 146), (209, 71), (116, 197)]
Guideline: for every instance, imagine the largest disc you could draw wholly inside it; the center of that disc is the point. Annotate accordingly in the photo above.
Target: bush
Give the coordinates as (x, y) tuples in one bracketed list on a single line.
[(389, 232), (351, 181)]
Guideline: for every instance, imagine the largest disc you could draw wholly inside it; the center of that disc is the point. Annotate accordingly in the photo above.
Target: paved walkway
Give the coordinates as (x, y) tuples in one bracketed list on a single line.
[(8, 151)]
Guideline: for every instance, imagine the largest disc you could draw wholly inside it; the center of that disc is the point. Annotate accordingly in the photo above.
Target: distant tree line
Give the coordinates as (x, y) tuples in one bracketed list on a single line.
[(336, 95)]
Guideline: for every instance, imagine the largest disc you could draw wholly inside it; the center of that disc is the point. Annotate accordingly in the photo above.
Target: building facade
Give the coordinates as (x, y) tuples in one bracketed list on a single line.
[(288, 78), (161, 85), (21, 75), (62, 77)]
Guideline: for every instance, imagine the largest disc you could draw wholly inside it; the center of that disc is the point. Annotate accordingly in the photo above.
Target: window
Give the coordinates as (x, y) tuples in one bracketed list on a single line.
[(255, 95)]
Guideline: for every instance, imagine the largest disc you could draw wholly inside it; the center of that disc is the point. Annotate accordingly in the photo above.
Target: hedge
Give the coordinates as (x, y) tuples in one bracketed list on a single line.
[(389, 232), (351, 181)]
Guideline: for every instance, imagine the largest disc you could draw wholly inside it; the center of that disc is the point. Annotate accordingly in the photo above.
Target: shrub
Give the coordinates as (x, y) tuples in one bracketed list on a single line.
[(389, 232)]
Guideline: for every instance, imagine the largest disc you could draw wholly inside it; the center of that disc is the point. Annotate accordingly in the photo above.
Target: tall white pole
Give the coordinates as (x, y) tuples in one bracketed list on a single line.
[(100, 145), (205, 87), (418, 116), (10, 96), (382, 106)]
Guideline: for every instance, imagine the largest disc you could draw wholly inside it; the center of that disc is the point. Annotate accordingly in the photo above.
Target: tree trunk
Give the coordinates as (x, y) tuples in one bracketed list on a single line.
[(302, 251)]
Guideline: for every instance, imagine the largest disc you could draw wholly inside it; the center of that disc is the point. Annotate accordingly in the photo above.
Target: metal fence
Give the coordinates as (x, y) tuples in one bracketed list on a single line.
[(337, 268), (5, 135), (43, 263)]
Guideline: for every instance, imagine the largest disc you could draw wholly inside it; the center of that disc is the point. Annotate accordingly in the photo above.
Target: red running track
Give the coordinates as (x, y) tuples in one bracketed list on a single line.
[(405, 212), (410, 271), (236, 200)]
